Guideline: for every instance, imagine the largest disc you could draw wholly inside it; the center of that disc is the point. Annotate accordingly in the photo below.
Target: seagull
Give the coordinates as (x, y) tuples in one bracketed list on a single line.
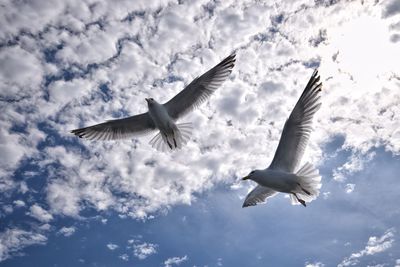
[(304, 184), (163, 117)]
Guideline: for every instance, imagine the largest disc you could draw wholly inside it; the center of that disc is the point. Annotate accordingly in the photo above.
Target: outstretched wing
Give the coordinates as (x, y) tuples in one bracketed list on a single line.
[(200, 89), (117, 129), (297, 129), (258, 195)]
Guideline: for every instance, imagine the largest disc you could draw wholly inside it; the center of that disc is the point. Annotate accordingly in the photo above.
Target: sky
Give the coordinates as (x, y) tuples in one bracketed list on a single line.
[(71, 202)]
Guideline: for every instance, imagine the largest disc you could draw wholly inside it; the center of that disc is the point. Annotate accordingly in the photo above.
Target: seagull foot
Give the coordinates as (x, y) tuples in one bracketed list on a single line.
[(305, 191)]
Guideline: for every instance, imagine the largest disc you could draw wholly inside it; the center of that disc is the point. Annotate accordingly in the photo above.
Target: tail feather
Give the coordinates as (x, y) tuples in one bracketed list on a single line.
[(180, 136), (309, 182)]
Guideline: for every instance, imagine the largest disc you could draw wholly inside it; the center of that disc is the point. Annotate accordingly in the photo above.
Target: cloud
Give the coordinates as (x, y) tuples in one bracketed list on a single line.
[(175, 261), (40, 214), (350, 188), (21, 73), (391, 8), (354, 164), (13, 240), (69, 64), (112, 246), (316, 264), (375, 245), (124, 257), (19, 203), (144, 250), (67, 231)]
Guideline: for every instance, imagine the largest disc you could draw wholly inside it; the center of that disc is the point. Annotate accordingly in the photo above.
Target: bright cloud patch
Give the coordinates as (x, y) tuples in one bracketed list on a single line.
[(175, 261), (144, 250), (39, 213), (15, 239), (112, 246), (67, 231), (67, 64), (374, 245)]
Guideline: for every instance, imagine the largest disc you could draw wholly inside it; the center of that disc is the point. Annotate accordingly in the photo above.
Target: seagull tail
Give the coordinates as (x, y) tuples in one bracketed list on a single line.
[(309, 183), (181, 135), (183, 132)]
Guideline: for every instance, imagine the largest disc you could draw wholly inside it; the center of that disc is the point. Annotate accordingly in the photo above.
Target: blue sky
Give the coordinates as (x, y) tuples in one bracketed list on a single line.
[(71, 202)]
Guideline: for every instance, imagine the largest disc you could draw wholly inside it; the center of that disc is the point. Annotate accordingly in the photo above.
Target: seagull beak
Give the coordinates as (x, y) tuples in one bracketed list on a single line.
[(147, 100), (245, 178)]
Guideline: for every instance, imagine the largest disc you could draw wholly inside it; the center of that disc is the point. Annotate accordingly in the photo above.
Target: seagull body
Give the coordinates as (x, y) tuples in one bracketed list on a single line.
[(277, 180), (281, 176), (169, 134), (163, 117)]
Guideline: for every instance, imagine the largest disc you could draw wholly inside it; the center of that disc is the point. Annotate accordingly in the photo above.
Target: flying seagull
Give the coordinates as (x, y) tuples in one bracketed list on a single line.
[(163, 117), (304, 184)]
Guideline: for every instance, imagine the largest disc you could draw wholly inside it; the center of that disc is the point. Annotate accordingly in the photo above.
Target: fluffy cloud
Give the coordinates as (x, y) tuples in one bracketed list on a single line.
[(70, 63), (19, 203), (374, 245), (15, 239), (112, 246), (144, 250), (40, 214), (317, 264), (124, 257), (67, 231), (175, 261)]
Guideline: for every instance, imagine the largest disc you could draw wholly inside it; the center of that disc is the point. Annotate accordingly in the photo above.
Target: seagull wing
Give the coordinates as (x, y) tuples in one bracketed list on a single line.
[(258, 195), (200, 89), (297, 129), (117, 129)]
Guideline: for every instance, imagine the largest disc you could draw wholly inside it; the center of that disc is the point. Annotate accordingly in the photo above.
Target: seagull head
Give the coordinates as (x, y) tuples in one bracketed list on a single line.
[(150, 101), (249, 176)]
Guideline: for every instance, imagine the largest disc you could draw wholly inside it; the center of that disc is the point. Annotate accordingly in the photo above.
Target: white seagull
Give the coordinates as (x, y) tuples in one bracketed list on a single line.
[(304, 184), (163, 117)]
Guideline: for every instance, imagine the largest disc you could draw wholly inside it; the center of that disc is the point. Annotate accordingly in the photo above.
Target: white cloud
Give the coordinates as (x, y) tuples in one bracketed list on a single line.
[(19, 203), (8, 208), (375, 245), (316, 264), (144, 250), (133, 57), (40, 214), (15, 239), (355, 163), (67, 231), (21, 72), (349, 188), (57, 73), (175, 261), (124, 257), (112, 246), (392, 7)]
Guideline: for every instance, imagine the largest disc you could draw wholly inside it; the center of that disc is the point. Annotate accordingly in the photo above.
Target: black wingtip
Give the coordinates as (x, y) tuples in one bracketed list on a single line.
[(229, 61), (78, 132), (315, 73)]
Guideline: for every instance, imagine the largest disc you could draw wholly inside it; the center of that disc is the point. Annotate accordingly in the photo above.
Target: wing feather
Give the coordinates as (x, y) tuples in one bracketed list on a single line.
[(117, 129), (200, 89), (258, 195), (297, 129)]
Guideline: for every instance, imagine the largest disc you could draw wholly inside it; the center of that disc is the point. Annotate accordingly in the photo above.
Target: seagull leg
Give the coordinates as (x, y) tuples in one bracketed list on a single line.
[(169, 144), (305, 191), (300, 200), (174, 142)]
